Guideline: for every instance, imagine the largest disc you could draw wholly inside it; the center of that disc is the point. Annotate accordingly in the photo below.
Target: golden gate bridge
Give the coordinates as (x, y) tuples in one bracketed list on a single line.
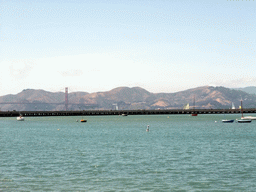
[(65, 102)]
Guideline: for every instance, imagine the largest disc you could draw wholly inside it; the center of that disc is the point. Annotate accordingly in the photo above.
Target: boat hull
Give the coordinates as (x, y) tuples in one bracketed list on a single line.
[(228, 121), (244, 121), (194, 114)]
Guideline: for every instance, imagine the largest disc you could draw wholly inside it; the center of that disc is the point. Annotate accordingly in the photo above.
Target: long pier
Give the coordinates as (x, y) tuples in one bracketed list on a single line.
[(126, 112)]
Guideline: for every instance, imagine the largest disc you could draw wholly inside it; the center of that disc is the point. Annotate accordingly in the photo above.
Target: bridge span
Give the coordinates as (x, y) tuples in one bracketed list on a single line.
[(127, 112)]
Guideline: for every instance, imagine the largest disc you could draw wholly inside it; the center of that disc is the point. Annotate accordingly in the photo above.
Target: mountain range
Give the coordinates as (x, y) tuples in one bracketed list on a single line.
[(128, 98), (251, 89)]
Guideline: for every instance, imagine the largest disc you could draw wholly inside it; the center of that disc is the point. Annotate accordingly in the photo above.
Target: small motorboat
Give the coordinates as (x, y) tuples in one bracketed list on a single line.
[(124, 114), (83, 120), (227, 121), (20, 118)]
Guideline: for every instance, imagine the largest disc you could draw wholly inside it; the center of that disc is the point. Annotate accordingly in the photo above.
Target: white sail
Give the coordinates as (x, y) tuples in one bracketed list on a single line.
[(233, 106), (186, 106)]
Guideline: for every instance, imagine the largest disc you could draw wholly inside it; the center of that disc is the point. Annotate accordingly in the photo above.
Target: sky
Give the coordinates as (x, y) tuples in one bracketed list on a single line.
[(97, 45)]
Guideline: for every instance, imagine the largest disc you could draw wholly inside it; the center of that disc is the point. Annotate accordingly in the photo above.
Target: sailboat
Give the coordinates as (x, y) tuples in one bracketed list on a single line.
[(233, 106), (248, 117), (186, 106), (193, 113), (229, 120), (243, 120)]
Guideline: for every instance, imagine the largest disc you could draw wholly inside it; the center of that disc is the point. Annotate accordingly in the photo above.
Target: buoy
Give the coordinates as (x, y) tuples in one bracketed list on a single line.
[(147, 128)]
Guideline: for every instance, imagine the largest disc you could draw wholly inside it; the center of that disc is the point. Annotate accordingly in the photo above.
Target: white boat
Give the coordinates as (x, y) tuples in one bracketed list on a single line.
[(20, 118), (249, 117), (243, 119)]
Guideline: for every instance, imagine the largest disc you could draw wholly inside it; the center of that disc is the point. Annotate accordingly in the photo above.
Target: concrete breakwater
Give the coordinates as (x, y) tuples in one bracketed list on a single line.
[(121, 112)]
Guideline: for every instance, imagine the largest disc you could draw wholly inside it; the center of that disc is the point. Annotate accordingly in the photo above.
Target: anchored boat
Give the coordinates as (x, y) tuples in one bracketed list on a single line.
[(227, 121), (249, 118), (20, 118), (243, 119)]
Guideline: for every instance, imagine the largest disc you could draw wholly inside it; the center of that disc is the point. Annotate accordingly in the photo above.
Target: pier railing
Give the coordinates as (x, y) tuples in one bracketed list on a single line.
[(126, 112)]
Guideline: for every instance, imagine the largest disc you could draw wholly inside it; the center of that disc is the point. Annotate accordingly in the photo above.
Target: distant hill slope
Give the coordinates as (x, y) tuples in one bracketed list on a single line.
[(250, 90), (127, 98)]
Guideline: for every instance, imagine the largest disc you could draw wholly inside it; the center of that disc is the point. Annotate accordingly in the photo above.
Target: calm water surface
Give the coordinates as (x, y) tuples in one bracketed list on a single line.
[(115, 153)]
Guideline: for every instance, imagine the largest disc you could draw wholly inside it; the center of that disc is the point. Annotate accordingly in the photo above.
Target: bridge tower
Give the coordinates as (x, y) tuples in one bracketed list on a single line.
[(66, 98)]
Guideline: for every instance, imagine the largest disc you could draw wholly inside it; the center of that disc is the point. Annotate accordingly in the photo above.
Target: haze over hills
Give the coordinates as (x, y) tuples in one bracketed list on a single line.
[(251, 89), (127, 98)]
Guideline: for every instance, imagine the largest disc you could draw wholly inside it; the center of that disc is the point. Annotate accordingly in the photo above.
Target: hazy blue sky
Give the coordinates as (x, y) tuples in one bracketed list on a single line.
[(97, 45)]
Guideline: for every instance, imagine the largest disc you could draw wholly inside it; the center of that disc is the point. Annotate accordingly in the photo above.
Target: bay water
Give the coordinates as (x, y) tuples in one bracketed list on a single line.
[(115, 153)]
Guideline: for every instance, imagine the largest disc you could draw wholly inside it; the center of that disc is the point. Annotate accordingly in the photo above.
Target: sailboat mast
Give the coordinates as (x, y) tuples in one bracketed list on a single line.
[(242, 108), (194, 111), (194, 103)]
